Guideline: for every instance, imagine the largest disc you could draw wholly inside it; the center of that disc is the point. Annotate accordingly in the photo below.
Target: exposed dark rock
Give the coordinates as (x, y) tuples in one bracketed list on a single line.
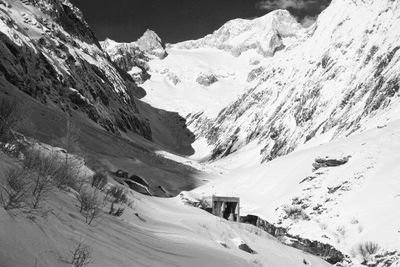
[(325, 251), (308, 179), (206, 79), (255, 73), (329, 162), (246, 248), (223, 244), (139, 180), (138, 187), (332, 190)]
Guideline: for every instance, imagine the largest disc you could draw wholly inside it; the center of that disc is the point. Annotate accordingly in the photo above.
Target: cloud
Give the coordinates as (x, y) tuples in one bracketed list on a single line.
[(281, 4), (308, 6), (307, 21)]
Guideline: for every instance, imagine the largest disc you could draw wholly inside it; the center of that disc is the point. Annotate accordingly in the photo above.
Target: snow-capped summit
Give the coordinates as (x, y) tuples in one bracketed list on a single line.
[(267, 34)]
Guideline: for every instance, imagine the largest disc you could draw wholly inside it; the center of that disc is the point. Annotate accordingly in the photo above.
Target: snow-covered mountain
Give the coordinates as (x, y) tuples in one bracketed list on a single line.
[(265, 116), (266, 35), (335, 81), (301, 123)]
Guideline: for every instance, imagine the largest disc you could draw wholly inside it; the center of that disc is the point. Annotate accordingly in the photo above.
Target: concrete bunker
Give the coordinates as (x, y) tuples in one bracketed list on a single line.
[(226, 207)]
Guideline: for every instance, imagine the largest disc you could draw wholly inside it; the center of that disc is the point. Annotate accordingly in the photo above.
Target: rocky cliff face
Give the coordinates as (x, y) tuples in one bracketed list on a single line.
[(332, 83), (49, 52), (134, 57)]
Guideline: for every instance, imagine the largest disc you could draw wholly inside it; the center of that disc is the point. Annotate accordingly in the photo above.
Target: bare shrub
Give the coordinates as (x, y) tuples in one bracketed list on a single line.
[(367, 249), (90, 205), (99, 180), (295, 212), (117, 195), (9, 119), (63, 174), (81, 255), (42, 186), (67, 175), (16, 189), (43, 169)]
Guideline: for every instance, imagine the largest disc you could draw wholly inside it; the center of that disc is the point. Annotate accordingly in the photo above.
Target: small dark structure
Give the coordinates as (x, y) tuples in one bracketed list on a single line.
[(226, 207)]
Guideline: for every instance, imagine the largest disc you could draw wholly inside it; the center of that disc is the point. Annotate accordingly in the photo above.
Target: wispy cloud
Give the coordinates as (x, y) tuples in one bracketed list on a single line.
[(307, 21), (306, 11), (292, 4), (278, 4)]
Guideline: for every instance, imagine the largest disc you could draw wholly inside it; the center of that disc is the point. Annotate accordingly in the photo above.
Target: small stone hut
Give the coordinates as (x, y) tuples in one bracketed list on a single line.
[(226, 207)]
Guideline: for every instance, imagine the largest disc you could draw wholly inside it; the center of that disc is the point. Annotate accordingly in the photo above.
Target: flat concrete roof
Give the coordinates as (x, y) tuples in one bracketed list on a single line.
[(225, 199)]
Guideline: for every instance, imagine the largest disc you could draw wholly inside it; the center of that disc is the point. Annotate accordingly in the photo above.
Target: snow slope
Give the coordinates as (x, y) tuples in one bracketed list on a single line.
[(174, 86), (154, 232), (346, 205)]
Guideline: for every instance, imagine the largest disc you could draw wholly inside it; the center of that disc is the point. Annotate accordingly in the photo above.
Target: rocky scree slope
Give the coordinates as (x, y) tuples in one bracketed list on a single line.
[(134, 57), (50, 53), (333, 82)]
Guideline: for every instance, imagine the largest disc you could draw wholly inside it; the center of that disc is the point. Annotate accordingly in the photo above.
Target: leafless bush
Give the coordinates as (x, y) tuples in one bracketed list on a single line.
[(43, 169), (9, 119), (67, 175), (367, 249), (295, 212), (90, 205), (42, 186), (81, 255), (117, 195), (16, 189), (63, 174), (99, 180)]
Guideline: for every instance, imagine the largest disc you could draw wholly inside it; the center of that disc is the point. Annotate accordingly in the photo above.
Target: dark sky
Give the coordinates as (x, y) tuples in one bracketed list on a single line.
[(179, 20)]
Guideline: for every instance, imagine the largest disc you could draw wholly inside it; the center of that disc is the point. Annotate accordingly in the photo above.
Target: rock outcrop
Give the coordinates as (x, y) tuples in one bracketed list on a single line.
[(206, 79), (329, 162), (152, 44), (134, 57), (49, 52), (325, 251)]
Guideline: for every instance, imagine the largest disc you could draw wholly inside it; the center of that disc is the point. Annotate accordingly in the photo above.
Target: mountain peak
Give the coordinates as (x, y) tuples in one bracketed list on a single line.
[(152, 44)]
